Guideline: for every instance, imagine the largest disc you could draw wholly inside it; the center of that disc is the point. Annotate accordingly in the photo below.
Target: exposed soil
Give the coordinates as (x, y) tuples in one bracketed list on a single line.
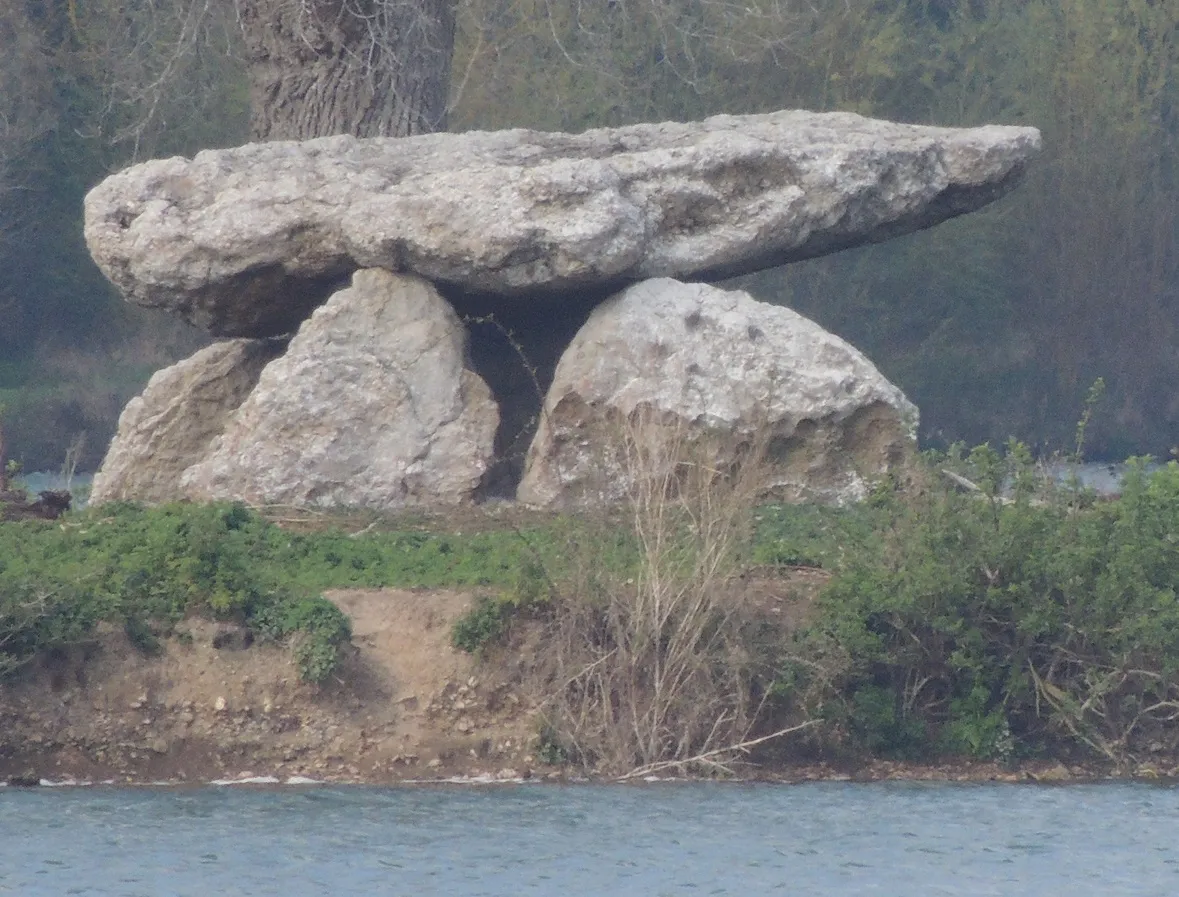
[(215, 705), (406, 705)]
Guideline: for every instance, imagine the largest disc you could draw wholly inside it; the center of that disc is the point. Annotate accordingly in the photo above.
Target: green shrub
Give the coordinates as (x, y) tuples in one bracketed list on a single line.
[(34, 617), (812, 535), (485, 623), (141, 634), (488, 619), (549, 749), (141, 569), (319, 631), (879, 724), (977, 729), (988, 624), (146, 568)]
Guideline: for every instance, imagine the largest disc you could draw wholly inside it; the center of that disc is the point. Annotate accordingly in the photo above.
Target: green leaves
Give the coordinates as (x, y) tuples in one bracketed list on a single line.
[(318, 628), (139, 568), (1008, 620), (993, 623), (146, 569), (484, 624)]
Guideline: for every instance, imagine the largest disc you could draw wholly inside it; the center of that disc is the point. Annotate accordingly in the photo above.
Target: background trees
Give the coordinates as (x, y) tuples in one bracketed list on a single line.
[(995, 324), (1000, 322)]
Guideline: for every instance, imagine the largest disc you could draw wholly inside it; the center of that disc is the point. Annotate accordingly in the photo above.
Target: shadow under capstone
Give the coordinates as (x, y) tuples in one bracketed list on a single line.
[(514, 345)]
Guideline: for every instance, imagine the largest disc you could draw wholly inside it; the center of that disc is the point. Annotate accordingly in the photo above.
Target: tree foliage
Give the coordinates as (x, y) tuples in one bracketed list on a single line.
[(994, 324)]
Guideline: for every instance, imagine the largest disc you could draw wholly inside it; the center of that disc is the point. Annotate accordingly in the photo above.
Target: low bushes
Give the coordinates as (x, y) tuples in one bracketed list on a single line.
[(998, 625), (487, 621), (146, 568)]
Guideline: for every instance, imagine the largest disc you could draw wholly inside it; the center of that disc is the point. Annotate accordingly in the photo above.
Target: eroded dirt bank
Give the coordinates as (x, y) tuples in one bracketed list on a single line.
[(406, 706)]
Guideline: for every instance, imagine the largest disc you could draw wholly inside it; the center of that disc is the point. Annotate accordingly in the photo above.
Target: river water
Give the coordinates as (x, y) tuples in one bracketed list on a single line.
[(705, 839)]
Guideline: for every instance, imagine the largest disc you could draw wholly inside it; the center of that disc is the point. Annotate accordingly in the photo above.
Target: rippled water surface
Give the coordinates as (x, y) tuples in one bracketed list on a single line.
[(902, 839)]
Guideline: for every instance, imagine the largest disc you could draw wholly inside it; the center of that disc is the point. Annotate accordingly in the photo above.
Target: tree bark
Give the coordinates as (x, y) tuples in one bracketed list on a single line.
[(370, 68)]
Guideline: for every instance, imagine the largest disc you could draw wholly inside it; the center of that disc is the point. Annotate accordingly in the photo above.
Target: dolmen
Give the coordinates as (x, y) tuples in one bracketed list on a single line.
[(435, 320)]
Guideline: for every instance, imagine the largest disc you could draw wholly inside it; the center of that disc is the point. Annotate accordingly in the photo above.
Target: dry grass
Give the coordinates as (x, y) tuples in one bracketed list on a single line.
[(665, 668)]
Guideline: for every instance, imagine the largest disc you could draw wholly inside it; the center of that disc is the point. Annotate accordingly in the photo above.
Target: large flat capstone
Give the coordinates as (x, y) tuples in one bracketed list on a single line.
[(248, 241)]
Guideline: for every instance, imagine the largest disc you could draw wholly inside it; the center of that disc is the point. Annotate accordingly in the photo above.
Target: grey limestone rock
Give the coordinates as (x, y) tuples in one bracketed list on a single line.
[(248, 241), (717, 368), (169, 427), (370, 406)]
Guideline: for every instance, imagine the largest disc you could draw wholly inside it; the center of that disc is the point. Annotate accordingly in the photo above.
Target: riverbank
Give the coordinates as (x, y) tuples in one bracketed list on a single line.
[(1026, 627), (404, 706), (211, 704)]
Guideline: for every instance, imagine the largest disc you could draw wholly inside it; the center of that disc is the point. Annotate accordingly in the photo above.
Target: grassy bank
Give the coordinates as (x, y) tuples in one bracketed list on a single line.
[(1010, 619)]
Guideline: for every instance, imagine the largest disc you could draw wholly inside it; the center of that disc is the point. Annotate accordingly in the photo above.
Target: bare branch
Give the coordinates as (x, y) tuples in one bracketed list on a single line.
[(742, 747)]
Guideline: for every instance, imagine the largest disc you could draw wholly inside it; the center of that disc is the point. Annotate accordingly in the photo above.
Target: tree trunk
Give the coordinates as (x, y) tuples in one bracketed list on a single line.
[(371, 68)]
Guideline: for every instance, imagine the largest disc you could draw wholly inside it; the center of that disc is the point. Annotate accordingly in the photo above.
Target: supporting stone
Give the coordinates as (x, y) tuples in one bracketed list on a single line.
[(732, 375), (371, 406)]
